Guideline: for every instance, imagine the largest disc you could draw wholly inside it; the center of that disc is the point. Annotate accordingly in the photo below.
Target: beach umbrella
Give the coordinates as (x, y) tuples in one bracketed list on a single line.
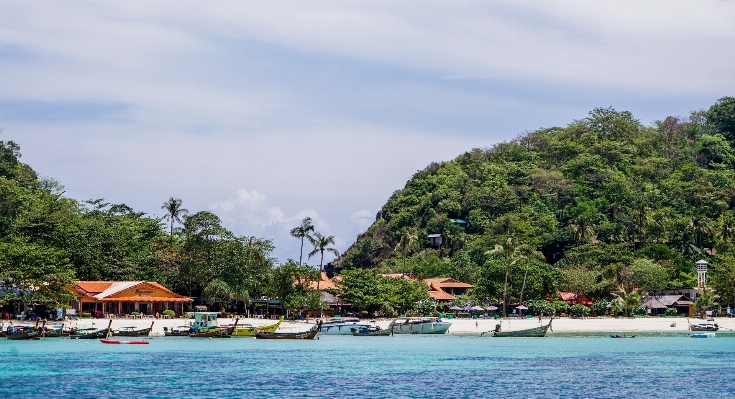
[(455, 308), (478, 308), (467, 308), (492, 308), (522, 307)]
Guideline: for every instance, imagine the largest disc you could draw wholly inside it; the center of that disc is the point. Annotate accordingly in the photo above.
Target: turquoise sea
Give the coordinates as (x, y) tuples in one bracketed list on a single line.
[(406, 366)]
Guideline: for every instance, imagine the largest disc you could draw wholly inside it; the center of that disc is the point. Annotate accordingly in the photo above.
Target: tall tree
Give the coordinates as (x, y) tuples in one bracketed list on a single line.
[(302, 232), (174, 212), (527, 253), (404, 246), (509, 250), (321, 244)]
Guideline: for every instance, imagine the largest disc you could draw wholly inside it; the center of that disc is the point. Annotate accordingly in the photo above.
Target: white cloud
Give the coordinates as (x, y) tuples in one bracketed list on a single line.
[(362, 219)]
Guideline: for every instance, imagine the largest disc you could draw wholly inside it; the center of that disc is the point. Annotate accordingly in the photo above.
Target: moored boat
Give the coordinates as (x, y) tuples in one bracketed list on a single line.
[(18, 333), (91, 333), (249, 330), (704, 335), (132, 332), (342, 325), (421, 325), (205, 326), (529, 332), (178, 331), (703, 326), (620, 336), (310, 334)]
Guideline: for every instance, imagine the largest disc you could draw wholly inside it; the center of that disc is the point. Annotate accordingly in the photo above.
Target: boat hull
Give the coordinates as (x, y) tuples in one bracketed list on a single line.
[(24, 336), (134, 333), (343, 329), (704, 335), (421, 328), (93, 335), (531, 332), (250, 331), (300, 335)]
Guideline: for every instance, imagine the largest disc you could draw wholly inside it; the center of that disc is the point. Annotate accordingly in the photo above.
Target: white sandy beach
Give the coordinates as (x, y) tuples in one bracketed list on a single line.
[(459, 326)]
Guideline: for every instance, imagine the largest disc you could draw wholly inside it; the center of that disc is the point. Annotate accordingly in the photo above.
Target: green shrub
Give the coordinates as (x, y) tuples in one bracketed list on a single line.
[(169, 313), (134, 313), (579, 310), (671, 312), (83, 315), (600, 307), (540, 306), (639, 310), (560, 306)]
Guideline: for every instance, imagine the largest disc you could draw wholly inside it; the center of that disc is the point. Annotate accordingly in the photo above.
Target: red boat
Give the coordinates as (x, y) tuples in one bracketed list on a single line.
[(114, 341)]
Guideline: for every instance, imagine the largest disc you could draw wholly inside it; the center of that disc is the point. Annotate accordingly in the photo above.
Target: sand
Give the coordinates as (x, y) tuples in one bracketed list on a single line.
[(459, 326)]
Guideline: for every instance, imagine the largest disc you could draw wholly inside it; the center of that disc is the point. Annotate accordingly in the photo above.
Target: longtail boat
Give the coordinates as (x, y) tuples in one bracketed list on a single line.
[(180, 331), (249, 331), (91, 333), (18, 333), (703, 326), (132, 332), (530, 332), (297, 335), (205, 326)]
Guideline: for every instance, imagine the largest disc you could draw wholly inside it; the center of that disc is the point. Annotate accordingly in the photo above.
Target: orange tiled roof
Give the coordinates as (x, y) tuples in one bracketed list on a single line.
[(446, 282), (103, 290), (441, 295), (325, 284), (94, 287)]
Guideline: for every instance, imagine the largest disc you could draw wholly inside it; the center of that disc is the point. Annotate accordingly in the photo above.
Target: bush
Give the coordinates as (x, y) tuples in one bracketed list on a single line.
[(560, 306), (540, 306), (83, 315), (579, 310), (639, 310), (134, 313), (169, 313), (600, 307), (671, 312)]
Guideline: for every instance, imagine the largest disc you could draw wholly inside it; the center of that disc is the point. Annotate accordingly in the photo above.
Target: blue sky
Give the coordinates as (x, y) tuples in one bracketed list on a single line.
[(267, 112)]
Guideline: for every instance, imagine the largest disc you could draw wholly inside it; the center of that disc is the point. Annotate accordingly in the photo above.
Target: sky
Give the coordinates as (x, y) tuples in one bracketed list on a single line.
[(267, 112)]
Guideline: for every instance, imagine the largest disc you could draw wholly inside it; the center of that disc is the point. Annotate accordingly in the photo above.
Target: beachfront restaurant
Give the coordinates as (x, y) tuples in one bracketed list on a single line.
[(122, 298)]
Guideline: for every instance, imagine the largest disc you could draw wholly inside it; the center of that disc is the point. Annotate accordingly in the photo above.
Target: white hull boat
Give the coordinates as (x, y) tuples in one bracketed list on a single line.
[(342, 326), (421, 326)]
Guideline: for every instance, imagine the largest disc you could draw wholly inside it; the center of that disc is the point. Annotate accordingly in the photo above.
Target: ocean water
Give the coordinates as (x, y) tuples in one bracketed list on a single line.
[(405, 366)]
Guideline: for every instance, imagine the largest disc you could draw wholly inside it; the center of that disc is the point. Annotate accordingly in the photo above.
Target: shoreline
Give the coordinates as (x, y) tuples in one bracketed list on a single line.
[(459, 326)]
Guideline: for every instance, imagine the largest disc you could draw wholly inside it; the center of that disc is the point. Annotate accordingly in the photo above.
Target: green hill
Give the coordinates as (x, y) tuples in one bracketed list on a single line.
[(604, 196)]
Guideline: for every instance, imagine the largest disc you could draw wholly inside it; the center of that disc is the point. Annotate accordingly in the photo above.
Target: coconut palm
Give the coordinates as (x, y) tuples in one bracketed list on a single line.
[(174, 212), (302, 232), (526, 252), (408, 239), (704, 301), (509, 251), (321, 244)]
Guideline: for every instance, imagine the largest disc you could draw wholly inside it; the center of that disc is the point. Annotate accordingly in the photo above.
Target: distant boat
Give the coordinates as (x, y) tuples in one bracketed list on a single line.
[(530, 332), (421, 325), (703, 326), (205, 326), (310, 334), (621, 336), (342, 325), (18, 333), (180, 331), (249, 330), (132, 332), (91, 333)]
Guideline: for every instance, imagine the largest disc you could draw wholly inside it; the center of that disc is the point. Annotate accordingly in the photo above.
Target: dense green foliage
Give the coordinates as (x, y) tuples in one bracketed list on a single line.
[(609, 203)]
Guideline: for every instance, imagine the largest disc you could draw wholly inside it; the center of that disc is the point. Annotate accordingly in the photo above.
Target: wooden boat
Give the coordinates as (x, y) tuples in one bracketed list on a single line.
[(374, 331), (180, 331), (249, 331), (530, 332), (18, 333), (298, 335), (703, 326), (205, 326), (342, 325), (621, 336), (115, 341), (91, 333), (132, 332)]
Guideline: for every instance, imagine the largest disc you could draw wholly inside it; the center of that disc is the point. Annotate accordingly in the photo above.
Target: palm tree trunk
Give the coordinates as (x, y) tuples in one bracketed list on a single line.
[(505, 293), (523, 286), (321, 262), (301, 255)]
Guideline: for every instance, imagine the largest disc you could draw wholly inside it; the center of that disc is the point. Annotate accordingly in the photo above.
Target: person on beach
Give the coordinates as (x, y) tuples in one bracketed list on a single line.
[(476, 324)]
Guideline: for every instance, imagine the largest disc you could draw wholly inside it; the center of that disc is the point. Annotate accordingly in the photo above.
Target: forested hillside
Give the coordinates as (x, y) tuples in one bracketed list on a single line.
[(600, 204)]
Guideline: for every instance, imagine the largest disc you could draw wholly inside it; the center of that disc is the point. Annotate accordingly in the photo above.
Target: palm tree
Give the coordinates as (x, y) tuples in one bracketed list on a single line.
[(704, 301), (582, 228), (174, 212), (630, 300), (509, 250), (321, 244), (700, 226), (302, 232), (407, 240), (526, 252)]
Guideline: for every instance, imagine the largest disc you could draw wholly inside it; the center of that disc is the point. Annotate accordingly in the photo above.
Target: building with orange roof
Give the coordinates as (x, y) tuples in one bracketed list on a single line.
[(325, 283), (445, 289), (573, 299), (124, 297)]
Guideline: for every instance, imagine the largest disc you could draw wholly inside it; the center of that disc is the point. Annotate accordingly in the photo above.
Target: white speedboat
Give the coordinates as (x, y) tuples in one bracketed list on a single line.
[(421, 325), (343, 326)]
